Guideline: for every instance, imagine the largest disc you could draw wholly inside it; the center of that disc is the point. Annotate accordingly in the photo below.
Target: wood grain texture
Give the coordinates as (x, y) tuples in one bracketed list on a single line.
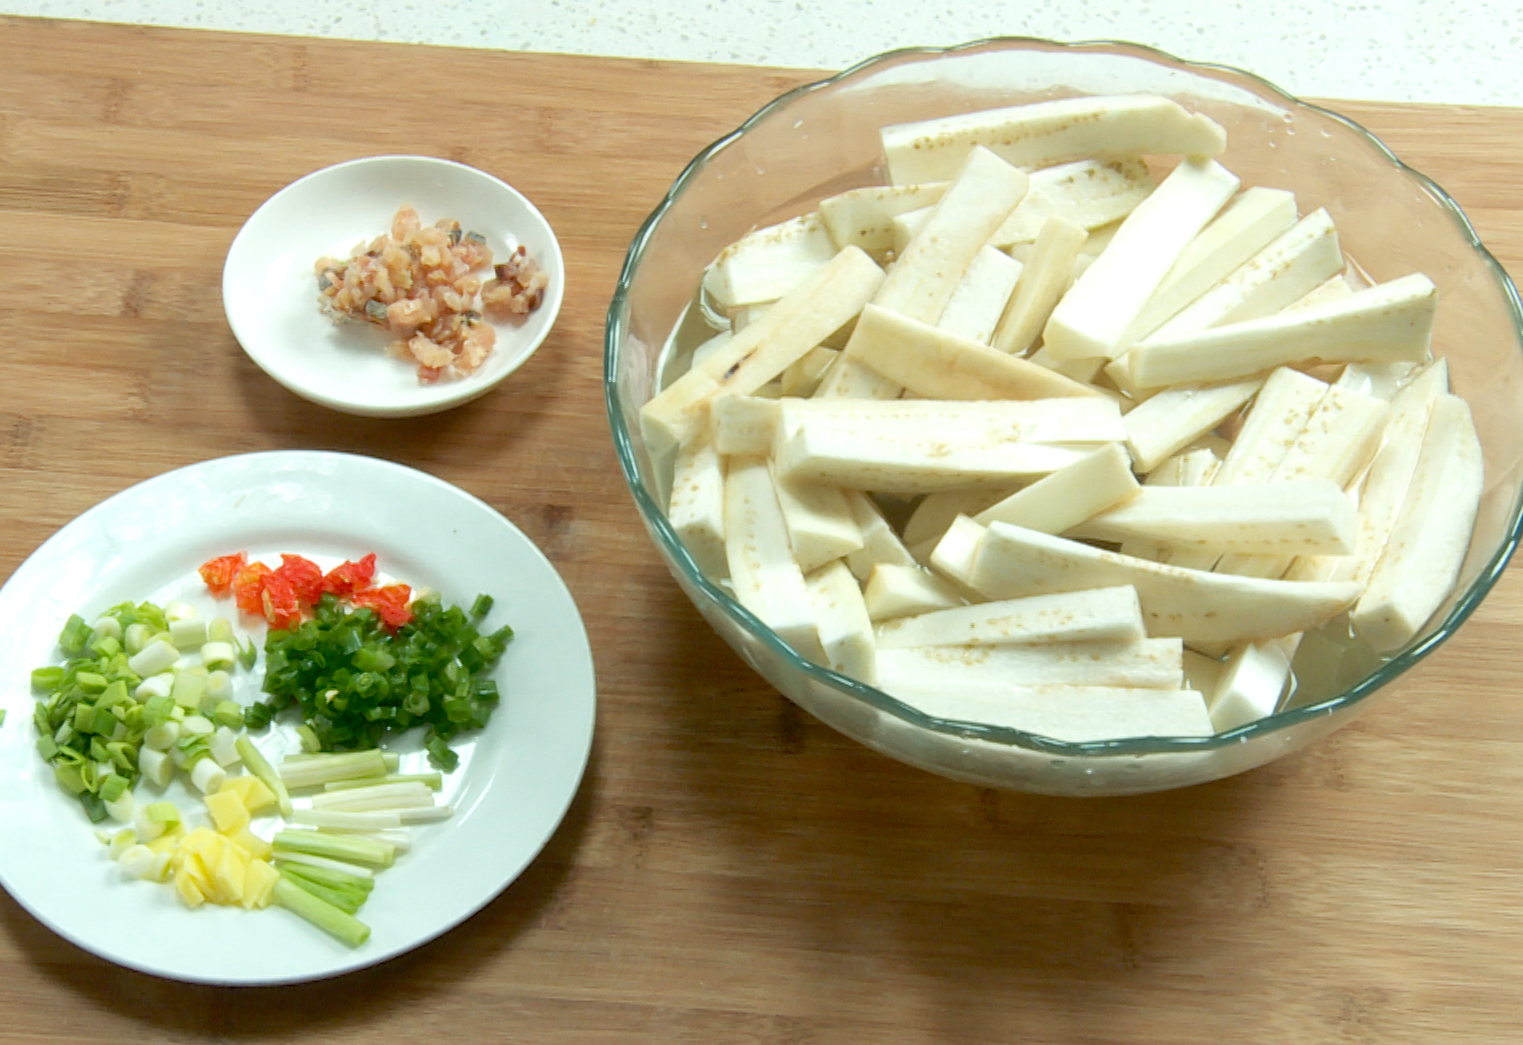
[(731, 870)]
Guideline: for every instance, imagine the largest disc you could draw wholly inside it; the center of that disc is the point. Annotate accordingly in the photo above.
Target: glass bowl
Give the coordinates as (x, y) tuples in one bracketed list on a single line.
[(822, 139)]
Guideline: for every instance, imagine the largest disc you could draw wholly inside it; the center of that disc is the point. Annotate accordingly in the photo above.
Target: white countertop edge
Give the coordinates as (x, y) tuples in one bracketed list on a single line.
[(1463, 52)]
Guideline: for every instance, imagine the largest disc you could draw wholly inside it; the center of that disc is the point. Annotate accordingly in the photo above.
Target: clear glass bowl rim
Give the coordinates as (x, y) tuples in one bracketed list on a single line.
[(655, 515)]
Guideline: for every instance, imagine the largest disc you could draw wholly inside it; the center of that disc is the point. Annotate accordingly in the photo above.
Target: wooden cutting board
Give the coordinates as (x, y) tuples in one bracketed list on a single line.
[(731, 871)]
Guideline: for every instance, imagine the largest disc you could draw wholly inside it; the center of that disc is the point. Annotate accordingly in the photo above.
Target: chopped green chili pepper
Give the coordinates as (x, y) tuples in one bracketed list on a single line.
[(354, 681)]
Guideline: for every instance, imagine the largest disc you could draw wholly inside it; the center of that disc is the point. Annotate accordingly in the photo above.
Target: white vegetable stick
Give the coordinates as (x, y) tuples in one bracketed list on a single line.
[(880, 544), (1293, 265), (1388, 322), (696, 508), (1431, 535), (1092, 615), (1093, 317), (1192, 604), (743, 426), (820, 523), (346, 820), (1284, 273), (1248, 224), (1250, 685), (765, 264), (846, 631), (1087, 193), (766, 579), (1142, 664), (1335, 445), (1174, 418), (889, 452), (904, 591), (708, 348), (932, 262), (1306, 516), (1390, 473), (1333, 289), (1046, 133), (1082, 370), (864, 217), (1098, 481), (906, 226), (1338, 441), (923, 279), (1076, 714), (804, 374), (852, 379), (1045, 279), (937, 364), (827, 300), (1190, 467), (959, 425), (976, 305), (936, 511), (1276, 419), (956, 554), (929, 268)]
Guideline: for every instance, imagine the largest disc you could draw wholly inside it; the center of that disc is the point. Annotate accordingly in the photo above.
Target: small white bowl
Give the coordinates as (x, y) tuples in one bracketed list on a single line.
[(269, 287)]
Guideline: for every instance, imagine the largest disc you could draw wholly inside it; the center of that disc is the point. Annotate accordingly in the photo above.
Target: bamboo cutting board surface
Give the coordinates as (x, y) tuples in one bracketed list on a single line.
[(731, 871)]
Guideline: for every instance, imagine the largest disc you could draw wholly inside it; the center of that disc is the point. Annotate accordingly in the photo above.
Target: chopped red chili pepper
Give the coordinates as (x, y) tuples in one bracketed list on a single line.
[(391, 603), (349, 577), (304, 576), (248, 588), (279, 602), (284, 595), (218, 573)]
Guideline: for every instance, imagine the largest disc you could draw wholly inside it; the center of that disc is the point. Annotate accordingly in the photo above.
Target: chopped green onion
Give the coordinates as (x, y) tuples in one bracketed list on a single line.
[(347, 900), (348, 765), (382, 796), (187, 633), (433, 781), (290, 895), (336, 879), (353, 681), (75, 636), (335, 847), (46, 679)]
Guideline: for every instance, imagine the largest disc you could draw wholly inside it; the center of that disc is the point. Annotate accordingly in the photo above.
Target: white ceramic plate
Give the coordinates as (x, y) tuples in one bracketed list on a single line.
[(269, 289), (516, 778)]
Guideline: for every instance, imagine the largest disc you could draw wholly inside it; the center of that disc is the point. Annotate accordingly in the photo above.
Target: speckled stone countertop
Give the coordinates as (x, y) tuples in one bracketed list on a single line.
[(1463, 52)]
